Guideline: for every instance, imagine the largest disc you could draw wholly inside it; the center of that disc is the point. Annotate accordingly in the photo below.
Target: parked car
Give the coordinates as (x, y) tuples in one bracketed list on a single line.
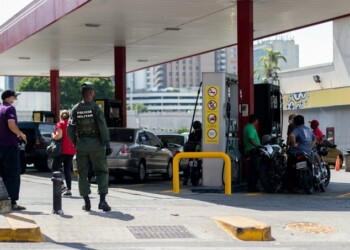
[(175, 143), (137, 153), (333, 152), (38, 138)]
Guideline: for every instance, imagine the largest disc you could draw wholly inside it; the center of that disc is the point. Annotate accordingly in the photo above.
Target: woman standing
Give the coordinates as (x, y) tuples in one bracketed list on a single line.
[(68, 151)]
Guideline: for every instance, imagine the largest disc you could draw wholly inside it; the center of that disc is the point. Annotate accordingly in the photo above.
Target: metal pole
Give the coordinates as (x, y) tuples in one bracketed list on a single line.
[(195, 106), (57, 196)]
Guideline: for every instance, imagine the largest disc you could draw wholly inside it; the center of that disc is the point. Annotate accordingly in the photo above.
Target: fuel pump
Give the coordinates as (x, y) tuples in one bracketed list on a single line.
[(43, 116), (220, 125), (268, 108), (112, 110)]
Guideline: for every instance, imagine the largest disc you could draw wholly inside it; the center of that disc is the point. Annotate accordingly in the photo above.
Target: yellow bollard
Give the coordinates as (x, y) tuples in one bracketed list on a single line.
[(179, 156)]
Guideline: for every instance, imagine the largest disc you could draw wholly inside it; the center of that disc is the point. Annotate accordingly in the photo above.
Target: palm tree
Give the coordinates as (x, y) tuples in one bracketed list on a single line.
[(269, 64)]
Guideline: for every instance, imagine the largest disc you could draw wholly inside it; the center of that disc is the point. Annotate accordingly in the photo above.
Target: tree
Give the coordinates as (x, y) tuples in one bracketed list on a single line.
[(139, 107), (104, 87), (69, 88), (40, 84), (268, 64)]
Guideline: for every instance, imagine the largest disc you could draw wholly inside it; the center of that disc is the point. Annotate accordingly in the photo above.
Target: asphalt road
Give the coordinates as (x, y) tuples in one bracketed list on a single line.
[(298, 221)]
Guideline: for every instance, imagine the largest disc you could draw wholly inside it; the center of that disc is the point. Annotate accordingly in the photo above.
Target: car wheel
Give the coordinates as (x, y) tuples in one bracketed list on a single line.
[(49, 162), (141, 175), (118, 177), (42, 164), (169, 171)]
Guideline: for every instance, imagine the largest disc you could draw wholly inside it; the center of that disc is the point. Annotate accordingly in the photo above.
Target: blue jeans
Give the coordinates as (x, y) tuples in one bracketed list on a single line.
[(10, 170)]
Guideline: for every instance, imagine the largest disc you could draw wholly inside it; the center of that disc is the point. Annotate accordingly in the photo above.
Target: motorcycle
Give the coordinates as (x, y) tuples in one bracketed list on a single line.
[(322, 150), (310, 171), (194, 166), (272, 164)]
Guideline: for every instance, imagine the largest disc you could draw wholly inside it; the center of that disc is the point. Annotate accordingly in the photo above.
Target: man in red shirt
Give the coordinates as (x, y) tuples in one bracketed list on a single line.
[(318, 133)]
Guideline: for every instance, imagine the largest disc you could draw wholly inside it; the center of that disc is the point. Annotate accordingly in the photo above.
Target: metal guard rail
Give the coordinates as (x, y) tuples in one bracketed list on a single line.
[(179, 156)]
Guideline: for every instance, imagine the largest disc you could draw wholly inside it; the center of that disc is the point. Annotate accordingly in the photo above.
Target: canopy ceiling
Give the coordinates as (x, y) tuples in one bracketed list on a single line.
[(140, 25)]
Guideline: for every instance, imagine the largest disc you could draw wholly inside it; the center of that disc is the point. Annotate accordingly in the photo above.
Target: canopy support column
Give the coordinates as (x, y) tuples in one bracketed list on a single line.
[(245, 60), (55, 93), (120, 79)]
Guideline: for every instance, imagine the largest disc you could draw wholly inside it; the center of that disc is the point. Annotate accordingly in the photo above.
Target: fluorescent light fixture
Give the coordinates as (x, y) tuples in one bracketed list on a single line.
[(172, 29), (24, 57), (92, 25), (84, 60)]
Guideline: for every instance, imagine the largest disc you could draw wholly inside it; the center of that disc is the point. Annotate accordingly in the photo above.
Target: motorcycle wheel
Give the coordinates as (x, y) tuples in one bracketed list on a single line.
[(195, 175), (307, 181), (328, 179), (267, 178), (322, 187)]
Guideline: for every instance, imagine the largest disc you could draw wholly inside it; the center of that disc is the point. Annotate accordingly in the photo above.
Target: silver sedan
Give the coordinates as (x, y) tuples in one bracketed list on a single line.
[(137, 153)]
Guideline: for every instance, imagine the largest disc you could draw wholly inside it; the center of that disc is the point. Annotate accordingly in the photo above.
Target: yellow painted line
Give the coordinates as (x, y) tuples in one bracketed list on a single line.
[(253, 194), (245, 228), (19, 228), (343, 195)]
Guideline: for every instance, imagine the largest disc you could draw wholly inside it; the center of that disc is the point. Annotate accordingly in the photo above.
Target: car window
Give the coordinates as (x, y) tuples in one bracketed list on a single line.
[(155, 142), (143, 139), (46, 129), (122, 135), (176, 139)]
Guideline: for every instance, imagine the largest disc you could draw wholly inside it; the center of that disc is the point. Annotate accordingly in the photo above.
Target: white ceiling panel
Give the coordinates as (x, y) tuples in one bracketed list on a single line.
[(140, 26)]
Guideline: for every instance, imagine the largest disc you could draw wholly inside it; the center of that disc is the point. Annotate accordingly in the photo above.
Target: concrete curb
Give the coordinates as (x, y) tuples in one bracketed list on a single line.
[(245, 228), (19, 227)]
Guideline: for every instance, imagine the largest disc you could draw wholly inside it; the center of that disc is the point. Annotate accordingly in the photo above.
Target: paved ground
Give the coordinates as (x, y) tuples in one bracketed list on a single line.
[(187, 218)]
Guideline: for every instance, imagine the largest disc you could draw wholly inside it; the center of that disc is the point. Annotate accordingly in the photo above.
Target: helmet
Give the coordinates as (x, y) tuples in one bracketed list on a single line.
[(197, 125), (314, 123)]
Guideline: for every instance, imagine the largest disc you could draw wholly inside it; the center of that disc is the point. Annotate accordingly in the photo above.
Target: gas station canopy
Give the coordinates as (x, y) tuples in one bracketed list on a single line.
[(78, 37)]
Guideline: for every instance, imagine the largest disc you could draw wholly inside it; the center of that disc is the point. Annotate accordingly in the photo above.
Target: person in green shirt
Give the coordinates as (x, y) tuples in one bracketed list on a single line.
[(251, 141)]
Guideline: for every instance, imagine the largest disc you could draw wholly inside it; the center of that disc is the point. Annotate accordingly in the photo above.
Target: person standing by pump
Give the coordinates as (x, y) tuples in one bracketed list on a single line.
[(68, 151), (9, 151), (88, 131), (250, 142), (317, 131), (193, 145), (291, 127)]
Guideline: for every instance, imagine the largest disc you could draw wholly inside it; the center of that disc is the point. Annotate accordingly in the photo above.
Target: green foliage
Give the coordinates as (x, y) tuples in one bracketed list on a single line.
[(40, 84), (104, 87), (268, 64), (139, 107), (69, 88)]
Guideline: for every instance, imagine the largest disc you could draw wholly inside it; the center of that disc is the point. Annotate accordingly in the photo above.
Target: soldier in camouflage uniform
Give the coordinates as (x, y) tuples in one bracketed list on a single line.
[(88, 131)]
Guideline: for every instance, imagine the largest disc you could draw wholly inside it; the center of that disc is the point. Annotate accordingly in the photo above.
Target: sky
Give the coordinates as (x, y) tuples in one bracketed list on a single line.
[(315, 43), (10, 7)]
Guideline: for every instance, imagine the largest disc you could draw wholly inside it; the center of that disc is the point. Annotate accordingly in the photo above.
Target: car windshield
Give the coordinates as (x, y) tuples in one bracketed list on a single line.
[(177, 139), (46, 129), (122, 135)]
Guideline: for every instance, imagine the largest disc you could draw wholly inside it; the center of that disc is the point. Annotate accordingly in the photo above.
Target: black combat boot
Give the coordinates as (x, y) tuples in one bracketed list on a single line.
[(87, 206), (103, 203)]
